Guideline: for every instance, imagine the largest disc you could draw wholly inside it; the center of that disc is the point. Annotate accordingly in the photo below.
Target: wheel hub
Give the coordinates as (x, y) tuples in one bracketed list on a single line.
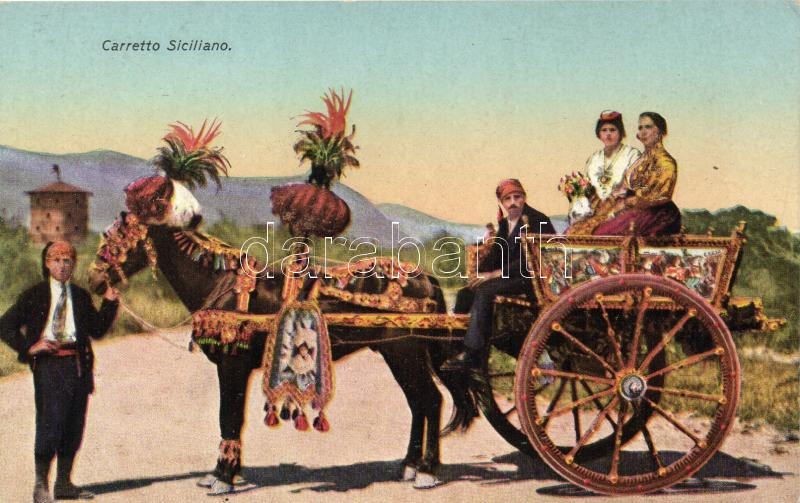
[(632, 387)]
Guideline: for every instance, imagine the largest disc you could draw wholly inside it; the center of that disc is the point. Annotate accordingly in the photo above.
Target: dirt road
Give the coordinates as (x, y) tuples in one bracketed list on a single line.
[(152, 431)]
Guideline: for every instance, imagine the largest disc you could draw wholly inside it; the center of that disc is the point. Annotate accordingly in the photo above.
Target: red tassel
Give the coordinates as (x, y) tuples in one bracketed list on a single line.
[(272, 419), (321, 424), (300, 422), (499, 215)]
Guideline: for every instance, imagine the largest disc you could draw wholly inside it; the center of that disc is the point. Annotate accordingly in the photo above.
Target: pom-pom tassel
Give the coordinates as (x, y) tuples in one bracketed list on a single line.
[(271, 418), (300, 422), (321, 423), (285, 412)]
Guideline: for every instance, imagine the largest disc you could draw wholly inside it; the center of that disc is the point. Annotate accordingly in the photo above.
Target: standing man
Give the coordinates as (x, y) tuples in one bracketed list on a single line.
[(50, 326), (506, 276)]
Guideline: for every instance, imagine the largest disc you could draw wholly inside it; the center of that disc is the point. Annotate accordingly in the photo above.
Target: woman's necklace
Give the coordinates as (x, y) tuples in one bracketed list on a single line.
[(605, 174)]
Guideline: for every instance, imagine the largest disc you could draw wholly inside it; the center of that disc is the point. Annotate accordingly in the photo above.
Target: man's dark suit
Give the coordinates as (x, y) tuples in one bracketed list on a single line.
[(62, 383), (506, 254)]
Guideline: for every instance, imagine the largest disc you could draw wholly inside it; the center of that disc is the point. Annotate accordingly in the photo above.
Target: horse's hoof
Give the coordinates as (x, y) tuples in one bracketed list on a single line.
[(426, 481), (219, 488), (409, 473), (207, 481)]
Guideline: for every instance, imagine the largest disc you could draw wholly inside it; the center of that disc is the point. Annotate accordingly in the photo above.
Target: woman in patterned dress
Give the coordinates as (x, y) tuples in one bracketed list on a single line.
[(606, 166)]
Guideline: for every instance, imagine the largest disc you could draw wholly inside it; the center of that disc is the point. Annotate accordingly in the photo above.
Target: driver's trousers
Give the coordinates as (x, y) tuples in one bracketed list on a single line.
[(480, 305)]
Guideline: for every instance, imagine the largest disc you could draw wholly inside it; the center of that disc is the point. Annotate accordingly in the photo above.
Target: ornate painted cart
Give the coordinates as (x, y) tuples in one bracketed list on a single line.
[(626, 338), (628, 379)]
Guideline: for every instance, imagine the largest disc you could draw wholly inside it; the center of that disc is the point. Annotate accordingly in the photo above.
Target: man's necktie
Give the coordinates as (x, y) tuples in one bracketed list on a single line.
[(60, 315)]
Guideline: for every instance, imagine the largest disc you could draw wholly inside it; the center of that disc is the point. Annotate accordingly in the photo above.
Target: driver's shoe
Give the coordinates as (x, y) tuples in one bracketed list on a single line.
[(465, 360)]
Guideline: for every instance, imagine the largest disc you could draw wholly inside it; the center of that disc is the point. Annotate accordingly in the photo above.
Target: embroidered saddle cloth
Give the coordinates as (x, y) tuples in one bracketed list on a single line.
[(298, 366)]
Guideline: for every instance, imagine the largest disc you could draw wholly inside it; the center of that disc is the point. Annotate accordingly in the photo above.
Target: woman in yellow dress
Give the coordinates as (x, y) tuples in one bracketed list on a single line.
[(643, 201)]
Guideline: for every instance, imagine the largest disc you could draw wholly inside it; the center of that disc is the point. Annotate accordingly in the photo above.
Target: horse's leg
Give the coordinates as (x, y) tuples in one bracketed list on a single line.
[(409, 366), (432, 409), (414, 452), (233, 372), (433, 416)]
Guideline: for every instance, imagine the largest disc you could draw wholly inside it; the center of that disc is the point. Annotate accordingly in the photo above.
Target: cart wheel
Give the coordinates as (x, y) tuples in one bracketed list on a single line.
[(663, 362), (496, 384), (496, 400)]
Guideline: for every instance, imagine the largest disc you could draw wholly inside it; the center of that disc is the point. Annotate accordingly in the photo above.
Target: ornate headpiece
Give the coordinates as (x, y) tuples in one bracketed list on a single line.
[(609, 115)]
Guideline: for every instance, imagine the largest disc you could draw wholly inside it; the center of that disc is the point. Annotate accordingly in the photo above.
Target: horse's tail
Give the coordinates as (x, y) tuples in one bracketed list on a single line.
[(465, 408)]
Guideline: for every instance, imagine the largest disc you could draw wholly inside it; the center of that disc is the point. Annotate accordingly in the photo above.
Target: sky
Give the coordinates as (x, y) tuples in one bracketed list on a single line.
[(448, 98)]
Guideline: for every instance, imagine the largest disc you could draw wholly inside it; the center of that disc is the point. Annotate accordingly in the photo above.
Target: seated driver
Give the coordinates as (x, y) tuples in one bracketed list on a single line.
[(505, 277)]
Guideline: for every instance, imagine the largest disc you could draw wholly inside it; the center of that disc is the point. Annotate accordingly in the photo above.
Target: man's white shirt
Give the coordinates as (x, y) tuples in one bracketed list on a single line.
[(69, 327)]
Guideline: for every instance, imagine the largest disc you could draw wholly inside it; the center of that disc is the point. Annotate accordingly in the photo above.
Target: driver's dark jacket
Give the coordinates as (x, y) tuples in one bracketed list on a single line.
[(506, 252)]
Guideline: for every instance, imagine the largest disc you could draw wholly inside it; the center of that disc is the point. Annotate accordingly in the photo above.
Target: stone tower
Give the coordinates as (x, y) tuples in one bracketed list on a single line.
[(58, 211)]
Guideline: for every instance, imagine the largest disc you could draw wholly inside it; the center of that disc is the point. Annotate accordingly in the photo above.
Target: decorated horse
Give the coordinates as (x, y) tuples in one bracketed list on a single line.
[(216, 284)]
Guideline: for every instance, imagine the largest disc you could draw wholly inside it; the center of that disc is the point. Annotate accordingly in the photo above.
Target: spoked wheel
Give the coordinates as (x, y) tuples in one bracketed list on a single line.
[(661, 352), (496, 400), (495, 384)]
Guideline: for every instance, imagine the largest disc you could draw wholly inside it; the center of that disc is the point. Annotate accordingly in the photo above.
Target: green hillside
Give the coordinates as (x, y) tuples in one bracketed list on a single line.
[(769, 268)]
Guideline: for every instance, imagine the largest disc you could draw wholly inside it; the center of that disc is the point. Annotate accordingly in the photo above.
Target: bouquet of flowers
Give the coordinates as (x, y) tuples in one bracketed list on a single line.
[(575, 185), (579, 191)]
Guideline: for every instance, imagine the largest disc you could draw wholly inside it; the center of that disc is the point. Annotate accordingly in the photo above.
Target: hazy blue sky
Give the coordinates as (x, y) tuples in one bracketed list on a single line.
[(449, 97)]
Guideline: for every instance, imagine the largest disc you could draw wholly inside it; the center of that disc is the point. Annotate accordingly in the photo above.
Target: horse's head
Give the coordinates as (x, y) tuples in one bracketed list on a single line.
[(126, 246), (124, 250)]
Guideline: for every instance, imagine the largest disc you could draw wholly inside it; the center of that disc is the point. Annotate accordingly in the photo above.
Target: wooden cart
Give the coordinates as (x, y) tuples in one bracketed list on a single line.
[(627, 380)]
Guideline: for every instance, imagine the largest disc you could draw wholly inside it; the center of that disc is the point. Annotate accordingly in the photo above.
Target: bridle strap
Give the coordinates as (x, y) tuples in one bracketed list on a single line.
[(120, 240)]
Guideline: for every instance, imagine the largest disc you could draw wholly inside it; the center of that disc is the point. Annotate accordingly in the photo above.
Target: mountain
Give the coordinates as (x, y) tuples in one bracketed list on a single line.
[(427, 227), (242, 199), (104, 173)]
